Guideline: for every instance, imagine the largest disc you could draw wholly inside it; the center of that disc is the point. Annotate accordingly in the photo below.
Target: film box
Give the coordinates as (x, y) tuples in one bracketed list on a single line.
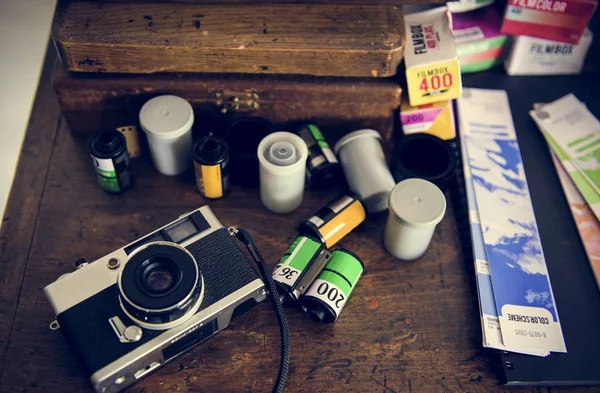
[(467, 5), (436, 119), (555, 20), (536, 56), (432, 67), (479, 43)]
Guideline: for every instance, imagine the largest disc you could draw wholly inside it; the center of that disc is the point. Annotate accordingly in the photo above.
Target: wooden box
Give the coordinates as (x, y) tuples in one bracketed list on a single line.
[(96, 102), (328, 39)]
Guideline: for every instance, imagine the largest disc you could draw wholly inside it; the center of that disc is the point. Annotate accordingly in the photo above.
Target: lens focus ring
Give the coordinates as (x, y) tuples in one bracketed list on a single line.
[(160, 284)]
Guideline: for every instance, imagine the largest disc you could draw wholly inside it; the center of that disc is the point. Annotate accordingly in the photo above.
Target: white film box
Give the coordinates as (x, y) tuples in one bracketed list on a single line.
[(537, 56)]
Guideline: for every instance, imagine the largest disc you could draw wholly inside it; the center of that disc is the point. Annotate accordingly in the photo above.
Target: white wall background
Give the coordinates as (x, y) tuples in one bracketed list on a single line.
[(24, 34)]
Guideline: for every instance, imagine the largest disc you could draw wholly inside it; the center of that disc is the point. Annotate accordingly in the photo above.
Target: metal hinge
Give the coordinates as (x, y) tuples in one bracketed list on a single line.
[(237, 102)]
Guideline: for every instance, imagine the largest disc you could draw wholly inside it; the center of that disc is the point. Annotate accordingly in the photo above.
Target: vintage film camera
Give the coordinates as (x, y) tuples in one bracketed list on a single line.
[(140, 306)]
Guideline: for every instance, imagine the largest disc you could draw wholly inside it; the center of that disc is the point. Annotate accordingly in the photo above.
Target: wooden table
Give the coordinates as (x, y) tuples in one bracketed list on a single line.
[(408, 327)]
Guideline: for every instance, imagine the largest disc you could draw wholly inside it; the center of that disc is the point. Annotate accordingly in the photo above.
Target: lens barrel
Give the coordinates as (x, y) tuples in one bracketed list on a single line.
[(160, 285)]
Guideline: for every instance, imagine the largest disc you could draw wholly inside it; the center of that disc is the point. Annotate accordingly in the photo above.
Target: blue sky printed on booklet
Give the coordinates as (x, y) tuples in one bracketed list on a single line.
[(490, 325), (492, 334), (521, 286)]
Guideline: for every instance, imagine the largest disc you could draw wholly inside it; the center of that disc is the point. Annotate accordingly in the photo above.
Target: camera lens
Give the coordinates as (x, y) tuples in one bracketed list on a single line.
[(160, 274), (160, 285), (159, 280)]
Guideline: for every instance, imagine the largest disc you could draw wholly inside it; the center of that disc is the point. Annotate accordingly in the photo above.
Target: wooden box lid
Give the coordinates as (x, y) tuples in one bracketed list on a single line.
[(311, 39)]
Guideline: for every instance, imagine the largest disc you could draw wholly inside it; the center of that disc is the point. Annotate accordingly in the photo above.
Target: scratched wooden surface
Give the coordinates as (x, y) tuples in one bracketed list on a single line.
[(18, 223), (408, 327), (147, 37)]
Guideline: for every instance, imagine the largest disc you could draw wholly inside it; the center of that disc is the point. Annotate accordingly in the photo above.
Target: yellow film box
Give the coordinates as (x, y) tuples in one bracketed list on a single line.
[(432, 67), (436, 119)]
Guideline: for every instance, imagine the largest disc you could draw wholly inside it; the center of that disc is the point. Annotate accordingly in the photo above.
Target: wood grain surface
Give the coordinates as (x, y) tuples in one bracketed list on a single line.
[(19, 221), (408, 327), (147, 37), (92, 103)]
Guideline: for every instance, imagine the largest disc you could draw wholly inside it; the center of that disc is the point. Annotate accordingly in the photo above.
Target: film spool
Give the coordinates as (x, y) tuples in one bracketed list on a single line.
[(211, 166), (336, 220), (424, 156), (299, 266), (111, 161), (328, 294), (322, 168), (132, 139)]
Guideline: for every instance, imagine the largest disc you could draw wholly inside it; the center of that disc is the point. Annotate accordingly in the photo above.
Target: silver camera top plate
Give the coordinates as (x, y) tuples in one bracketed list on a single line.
[(73, 288)]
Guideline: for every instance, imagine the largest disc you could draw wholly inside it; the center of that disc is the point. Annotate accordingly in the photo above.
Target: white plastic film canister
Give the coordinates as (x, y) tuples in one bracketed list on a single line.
[(282, 157), (365, 168), (167, 121), (416, 207)]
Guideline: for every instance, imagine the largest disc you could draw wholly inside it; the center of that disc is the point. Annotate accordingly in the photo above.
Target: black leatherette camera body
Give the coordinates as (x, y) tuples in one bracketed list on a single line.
[(224, 268), (231, 287)]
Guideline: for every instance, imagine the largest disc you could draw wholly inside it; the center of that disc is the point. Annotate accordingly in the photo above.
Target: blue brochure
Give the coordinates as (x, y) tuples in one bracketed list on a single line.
[(521, 288)]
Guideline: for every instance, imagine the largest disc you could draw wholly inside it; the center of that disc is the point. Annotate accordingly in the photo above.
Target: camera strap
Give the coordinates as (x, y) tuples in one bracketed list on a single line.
[(284, 331)]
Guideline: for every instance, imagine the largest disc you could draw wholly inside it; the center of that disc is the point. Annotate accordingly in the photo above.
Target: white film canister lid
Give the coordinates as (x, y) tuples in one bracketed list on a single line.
[(416, 207), (417, 203), (167, 121), (282, 153), (166, 116), (282, 157)]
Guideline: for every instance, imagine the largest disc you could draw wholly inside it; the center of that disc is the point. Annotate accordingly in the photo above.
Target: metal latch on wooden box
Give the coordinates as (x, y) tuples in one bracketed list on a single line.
[(237, 102)]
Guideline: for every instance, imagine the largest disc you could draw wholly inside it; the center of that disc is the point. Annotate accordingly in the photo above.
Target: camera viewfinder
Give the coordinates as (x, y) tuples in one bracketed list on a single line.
[(181, 230)]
